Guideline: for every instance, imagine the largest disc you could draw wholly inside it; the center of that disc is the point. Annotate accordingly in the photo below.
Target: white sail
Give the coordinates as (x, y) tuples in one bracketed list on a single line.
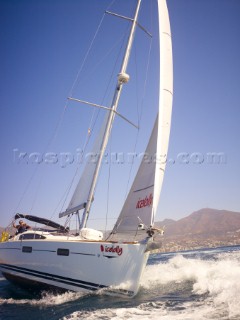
[(81, 193), (142, 201), (165, 98)]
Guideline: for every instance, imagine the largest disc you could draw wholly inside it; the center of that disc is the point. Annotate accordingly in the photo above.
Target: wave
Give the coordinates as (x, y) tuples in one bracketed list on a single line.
[(215, 278), (186, 286), (155, 311), (182, 289)]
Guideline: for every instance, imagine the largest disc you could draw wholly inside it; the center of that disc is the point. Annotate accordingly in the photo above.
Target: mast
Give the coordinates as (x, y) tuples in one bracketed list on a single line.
[(123, 78), (140, 206)]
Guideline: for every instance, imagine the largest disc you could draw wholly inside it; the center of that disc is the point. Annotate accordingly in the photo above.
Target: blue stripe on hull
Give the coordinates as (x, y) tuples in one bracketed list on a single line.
[(53, 277)]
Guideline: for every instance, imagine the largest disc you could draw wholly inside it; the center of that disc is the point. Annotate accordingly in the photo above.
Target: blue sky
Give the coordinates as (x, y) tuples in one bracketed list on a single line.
[(43, 44)]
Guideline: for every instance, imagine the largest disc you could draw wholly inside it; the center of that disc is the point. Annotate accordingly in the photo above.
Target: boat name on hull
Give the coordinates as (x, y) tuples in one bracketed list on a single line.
[(113, 249)]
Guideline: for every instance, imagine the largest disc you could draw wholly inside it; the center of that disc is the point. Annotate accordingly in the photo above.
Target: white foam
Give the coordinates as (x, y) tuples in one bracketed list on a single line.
[(153, 311), (47, 299), (220, 280), (217, 278)]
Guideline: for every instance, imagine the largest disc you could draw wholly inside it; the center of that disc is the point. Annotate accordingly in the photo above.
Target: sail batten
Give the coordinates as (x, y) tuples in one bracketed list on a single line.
[(143, 188)]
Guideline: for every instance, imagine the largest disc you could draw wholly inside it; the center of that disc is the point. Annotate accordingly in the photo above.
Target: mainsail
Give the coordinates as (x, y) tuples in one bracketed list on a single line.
[(81, 193), (142, 200)]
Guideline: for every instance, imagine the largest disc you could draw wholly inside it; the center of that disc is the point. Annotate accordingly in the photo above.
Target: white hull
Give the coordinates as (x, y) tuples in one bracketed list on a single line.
[(75, 265)]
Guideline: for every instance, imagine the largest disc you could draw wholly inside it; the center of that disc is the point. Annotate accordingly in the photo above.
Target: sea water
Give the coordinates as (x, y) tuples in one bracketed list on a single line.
[(192, 285)]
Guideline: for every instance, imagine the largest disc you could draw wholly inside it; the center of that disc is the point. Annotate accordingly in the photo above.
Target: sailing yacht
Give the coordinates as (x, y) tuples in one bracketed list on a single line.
[(86, 260)]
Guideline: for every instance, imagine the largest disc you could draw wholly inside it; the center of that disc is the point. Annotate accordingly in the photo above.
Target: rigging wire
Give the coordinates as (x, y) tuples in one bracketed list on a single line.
[(59, 123), (90, 129), (110, 144), (94, 121)]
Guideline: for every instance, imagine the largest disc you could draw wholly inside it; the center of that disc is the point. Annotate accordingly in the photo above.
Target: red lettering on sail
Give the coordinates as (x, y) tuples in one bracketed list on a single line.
[(147, 202)]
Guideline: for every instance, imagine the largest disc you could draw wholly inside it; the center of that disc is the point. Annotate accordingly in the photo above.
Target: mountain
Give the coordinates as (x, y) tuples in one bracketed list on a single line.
[(203, 228), (203, 222)]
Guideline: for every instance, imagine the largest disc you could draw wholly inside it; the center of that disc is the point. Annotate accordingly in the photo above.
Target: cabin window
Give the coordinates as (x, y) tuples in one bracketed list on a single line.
[(27, 249), (62, 252), (29, 236)]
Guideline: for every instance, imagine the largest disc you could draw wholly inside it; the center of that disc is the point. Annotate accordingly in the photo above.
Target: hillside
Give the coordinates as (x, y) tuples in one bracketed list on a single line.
[(203, 228), (204, 222)]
